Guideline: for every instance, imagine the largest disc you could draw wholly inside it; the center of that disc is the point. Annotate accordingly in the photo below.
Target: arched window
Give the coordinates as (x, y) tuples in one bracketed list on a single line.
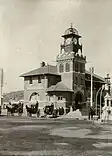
[(67, 67), (34, 97), (61, 68)]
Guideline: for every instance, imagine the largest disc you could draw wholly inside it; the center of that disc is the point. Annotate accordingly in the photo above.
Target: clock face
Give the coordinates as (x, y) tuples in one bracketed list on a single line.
[(75, 40), (68, 41)]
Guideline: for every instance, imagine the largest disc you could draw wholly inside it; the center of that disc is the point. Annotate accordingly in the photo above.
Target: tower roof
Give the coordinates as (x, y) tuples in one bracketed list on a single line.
[(71, 31)]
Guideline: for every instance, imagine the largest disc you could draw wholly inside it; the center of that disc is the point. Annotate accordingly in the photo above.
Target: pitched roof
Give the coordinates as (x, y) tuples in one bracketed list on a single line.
[(48, 69), (96, 76), (59, 87)]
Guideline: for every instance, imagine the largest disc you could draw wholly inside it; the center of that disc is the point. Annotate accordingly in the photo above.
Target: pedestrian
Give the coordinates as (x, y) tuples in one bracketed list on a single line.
[(59, 111), (62, 111), (91, 113), (38, 112)]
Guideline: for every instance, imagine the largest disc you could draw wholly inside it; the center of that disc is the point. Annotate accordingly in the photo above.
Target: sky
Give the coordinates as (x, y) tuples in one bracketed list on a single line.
[(30, 32)]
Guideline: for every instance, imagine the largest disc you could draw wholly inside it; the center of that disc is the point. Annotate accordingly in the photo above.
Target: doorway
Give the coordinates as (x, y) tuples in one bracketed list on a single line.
[(34, 97), (77, 102)]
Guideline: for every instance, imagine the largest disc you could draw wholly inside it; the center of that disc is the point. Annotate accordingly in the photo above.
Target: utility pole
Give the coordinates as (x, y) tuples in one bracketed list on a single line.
[(103, 87), (1, 86), (91, 70), (108, 83)]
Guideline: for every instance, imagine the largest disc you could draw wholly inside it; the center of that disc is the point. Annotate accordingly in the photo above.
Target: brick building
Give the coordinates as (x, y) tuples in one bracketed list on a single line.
[(68, 83)]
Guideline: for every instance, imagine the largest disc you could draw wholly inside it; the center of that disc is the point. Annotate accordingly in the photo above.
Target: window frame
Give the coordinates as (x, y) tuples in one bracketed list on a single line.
[(60, 98), (61, 68), (67, 67)]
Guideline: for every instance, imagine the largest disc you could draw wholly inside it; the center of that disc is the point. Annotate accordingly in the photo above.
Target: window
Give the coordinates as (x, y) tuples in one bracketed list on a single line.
[(60, 98), (76, 80), (81, 81), (67, 67), (39, 79), (61, 68), (107, 102), (111, 103), (30, 81), (76, 67), (81, 68)]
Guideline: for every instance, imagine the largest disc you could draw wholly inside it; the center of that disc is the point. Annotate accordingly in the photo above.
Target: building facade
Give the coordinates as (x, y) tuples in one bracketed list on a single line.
[(66, 84)]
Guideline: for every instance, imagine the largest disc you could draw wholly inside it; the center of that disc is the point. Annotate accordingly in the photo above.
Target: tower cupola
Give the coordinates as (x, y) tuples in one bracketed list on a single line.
[(71, 41)]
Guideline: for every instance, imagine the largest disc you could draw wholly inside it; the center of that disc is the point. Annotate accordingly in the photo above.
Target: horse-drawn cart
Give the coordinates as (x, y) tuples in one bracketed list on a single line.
[(32, 108), (14, 107)]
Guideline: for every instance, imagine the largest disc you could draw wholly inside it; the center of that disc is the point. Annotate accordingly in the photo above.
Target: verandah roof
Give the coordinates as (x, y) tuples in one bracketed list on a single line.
[(59, 87)]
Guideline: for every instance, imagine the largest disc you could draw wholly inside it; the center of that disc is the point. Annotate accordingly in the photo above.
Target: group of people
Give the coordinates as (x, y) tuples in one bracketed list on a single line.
[(47, 110), (61, 110), (50, 110)]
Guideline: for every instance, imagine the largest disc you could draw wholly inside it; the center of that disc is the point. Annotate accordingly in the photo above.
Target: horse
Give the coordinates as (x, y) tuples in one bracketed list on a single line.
[(33, 109)]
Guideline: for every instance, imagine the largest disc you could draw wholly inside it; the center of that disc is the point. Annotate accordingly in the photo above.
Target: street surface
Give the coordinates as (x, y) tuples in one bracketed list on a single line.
[(54, 137)]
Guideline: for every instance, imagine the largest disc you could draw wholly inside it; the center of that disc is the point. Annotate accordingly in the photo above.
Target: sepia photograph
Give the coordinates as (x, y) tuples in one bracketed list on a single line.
[(55, 78)]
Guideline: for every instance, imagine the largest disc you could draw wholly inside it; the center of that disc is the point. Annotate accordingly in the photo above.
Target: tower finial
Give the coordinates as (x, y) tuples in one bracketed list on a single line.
[(71, 25)]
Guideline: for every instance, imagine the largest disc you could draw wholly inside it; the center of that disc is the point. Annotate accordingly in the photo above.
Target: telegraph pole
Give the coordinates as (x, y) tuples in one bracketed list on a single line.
[(91, 70), (1, 86)]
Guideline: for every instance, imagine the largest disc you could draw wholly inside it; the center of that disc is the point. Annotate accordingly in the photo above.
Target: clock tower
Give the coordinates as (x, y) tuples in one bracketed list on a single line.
[(71, 62), (71, 41)]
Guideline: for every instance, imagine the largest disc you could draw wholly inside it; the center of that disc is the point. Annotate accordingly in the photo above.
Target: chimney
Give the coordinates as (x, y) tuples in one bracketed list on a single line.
[(42, 64)]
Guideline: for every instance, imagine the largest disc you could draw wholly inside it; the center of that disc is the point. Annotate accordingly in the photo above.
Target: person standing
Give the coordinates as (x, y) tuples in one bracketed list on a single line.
[(91, 113)]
